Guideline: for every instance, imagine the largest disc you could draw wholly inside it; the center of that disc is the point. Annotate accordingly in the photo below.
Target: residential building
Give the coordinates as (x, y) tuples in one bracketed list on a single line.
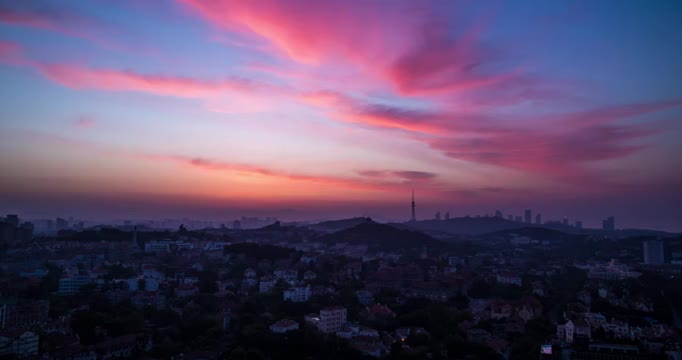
[(332, 319), (266, 283), (509, 278), (365, 297), (653, 252), (71, 285), (297, 294), (24, 314)]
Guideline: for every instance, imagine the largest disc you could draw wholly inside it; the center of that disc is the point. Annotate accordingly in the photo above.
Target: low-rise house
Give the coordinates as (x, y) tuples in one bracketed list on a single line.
[(364, 297), (380, 311), (509, 279), (596, 320), (148, 298), (585, 297), (34, 273), (618, 328), (402, 333), (309, 275), (539, 288), (249, 273), (288, 275), (500, 309), (283, 326), (478, 336), (368, 347), (186, 290)]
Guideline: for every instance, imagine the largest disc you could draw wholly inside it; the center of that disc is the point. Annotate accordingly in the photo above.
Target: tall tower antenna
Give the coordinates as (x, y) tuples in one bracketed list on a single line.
[(413, 218)]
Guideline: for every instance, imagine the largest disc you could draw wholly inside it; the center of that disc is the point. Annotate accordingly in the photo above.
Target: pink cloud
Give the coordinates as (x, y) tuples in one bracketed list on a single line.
[(408, 175), (8, 48), (401, 43), (563, 148), (379, 181), (78, 77), (54, 20), (10, 53)]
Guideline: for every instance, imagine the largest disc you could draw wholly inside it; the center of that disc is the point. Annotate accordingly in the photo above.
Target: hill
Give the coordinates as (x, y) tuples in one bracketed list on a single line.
[(535, 233), (337, 225), (381, 237), (465, 225)]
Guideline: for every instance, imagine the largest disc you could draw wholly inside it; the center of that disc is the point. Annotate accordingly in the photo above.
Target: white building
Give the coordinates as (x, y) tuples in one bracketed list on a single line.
[(332, 319), (297, 293)]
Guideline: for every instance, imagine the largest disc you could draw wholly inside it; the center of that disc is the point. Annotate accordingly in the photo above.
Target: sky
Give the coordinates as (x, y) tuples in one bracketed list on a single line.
[(330, 109)]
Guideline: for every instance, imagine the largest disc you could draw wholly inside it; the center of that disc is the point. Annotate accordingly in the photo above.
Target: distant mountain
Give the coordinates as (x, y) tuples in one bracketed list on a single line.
[(535, 233), (382, 237), (474, 226), (337, 225), (465, 225)]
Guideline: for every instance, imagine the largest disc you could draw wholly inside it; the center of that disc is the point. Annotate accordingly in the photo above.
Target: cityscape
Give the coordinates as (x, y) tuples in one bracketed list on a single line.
[(340, 179)]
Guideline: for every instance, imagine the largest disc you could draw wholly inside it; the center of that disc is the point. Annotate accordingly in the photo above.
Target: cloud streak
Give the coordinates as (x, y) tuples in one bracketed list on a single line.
[(83, 78)]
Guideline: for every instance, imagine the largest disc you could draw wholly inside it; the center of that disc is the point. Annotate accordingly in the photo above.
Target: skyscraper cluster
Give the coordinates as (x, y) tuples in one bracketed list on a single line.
[(609, 224)]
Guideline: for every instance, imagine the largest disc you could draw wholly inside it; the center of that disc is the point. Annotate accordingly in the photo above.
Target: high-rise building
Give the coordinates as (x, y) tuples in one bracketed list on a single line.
[(653, 252), (579, 224), (12, 219), (609, 224), (447, 215), (437, 217), (538, 219), (518, 219), (62, 224), (565, 221), (498, 214), (510, 218), (527, 216), (6, 233), (133, 241), (24, 233), (414, 217), (237, 225)]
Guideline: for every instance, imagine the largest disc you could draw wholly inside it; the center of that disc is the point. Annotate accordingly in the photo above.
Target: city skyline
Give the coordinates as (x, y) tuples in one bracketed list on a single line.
[(221, 109)]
